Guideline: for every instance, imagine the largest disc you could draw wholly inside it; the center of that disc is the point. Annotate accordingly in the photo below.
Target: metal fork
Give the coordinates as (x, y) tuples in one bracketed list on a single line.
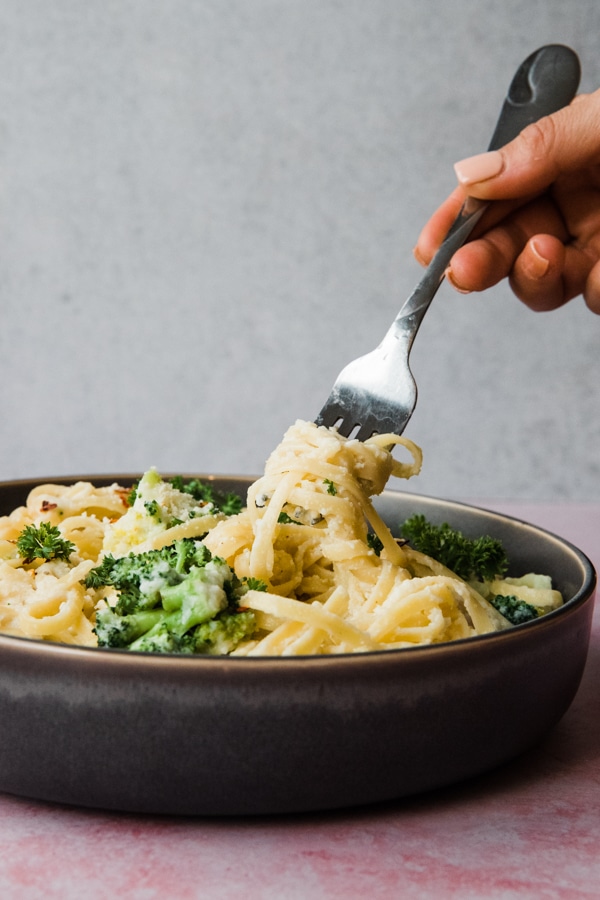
[(377, 392)]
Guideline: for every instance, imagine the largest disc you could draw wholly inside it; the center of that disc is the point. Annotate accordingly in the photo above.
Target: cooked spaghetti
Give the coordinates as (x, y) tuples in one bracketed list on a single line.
[(320, 572)]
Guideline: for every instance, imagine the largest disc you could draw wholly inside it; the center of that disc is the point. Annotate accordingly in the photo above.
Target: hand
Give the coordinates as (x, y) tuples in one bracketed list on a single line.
[(543, 231)]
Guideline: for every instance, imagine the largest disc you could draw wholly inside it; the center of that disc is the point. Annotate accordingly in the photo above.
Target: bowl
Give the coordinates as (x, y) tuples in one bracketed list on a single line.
[(224, 736)]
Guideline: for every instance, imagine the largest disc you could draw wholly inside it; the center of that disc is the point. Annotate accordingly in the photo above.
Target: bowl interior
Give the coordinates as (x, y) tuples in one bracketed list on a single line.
[(529, 547), (260, 736)]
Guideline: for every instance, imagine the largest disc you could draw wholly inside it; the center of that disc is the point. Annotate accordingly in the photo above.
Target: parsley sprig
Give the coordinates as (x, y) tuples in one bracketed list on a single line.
[(43, 541), (482, 558)]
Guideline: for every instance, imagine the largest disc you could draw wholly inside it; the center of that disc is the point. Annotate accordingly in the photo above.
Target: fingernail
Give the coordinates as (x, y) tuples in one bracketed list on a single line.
[(419, 258), (479, 168), (538, 265), (450, 277)]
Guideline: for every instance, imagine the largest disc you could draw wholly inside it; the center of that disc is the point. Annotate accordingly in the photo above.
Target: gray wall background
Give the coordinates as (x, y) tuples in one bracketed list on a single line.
[(208, 206)]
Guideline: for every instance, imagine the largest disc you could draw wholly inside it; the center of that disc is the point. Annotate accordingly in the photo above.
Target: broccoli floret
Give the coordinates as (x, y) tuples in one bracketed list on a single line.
[(114, 630), (153, 509), (187, 553), (199, 596), (482, 558), (222, 634), (159, 639), (140, 578), (228, 503), (163, 596), (512, 608), (157, 504), (43, 541), (217, 637)]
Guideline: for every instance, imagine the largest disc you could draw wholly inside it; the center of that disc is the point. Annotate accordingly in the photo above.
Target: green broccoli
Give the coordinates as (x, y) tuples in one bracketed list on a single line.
[(153, 510), (217, 636), (178, 599), (43, 541), (228, 503), (114, 630), (512, 608), (139, 578), (482, 558), (223, 633)]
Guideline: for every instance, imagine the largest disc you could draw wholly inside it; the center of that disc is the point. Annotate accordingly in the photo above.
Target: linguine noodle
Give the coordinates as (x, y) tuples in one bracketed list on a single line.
[(304, 533)]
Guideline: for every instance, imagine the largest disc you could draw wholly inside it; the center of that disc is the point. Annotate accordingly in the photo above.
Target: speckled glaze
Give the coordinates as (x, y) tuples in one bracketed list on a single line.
[(218, 736)]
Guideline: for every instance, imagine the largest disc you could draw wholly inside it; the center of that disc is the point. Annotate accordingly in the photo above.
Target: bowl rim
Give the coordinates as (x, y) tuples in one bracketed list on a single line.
[(51, 649)]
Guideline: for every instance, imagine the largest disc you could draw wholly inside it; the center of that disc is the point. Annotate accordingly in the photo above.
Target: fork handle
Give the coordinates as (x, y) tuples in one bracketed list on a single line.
[(545, 82)]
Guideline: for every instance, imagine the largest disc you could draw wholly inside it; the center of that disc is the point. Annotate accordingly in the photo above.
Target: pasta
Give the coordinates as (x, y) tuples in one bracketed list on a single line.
[(304, 535), (47, 599)]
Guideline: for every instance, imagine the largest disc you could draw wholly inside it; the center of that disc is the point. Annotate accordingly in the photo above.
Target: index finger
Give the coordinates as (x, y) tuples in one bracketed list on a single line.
[(437, 227)]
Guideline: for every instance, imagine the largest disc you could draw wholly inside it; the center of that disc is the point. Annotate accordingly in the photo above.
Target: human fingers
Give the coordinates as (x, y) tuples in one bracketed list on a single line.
[(565, 142), (545, 275), (436, 228), (552, 269), (487, 260), (591, 291), (538, 275)]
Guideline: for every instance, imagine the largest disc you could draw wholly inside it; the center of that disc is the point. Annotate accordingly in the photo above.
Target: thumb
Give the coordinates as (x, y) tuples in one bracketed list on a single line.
[(558, 144)]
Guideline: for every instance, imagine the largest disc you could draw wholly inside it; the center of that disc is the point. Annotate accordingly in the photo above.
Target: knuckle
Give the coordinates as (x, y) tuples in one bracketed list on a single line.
[(540, 138)]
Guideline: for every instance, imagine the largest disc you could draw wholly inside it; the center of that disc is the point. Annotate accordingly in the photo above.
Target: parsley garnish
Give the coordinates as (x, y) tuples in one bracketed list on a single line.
[(43, 541), (284, 519), (375, 543), (482, 558)]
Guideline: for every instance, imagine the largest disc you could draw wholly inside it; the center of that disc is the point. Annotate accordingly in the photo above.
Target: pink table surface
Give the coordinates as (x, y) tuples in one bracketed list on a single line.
[(528, 830)]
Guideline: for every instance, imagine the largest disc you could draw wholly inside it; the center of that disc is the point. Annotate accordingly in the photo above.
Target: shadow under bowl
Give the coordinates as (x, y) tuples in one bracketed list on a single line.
[(224, 736)]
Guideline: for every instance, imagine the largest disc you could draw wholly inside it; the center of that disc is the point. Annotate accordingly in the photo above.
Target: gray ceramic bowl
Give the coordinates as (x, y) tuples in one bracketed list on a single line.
[(211, 736)]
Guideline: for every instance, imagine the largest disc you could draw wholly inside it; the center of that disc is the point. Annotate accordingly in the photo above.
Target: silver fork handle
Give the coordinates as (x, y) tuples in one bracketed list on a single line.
[(410, 316), (543, 84)]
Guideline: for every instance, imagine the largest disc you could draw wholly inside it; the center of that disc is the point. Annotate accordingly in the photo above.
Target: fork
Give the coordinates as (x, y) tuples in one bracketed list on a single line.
[(377, 392)]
